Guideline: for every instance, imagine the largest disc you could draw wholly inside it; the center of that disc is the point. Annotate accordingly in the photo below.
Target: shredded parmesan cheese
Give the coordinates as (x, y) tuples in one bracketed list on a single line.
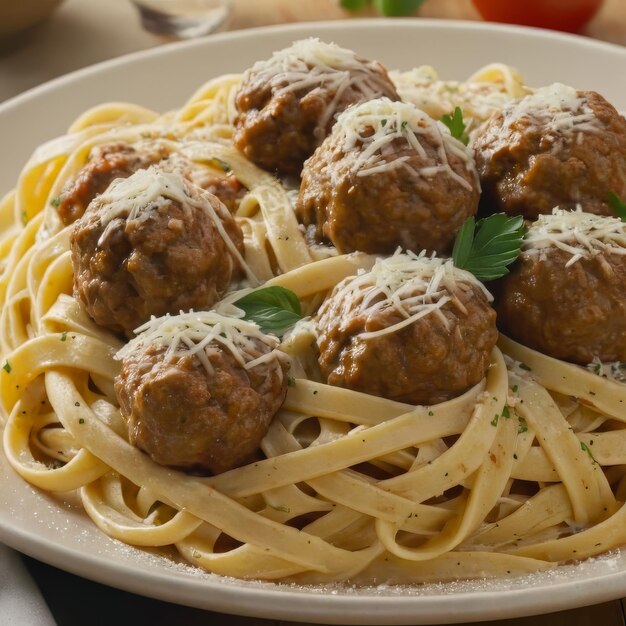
[(556, 110), (412, 285), (490, 89), (312, 66), (582, 235), (613, 370), (204, 333), (369, 130)]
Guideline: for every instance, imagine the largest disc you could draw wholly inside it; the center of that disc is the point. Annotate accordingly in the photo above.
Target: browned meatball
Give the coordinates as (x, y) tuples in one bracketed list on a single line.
[(207, 416), (557, 147), (288, 104), (413, 329), (566, 295), (388, 175), (105, 164), (153, 243), (225, 186)]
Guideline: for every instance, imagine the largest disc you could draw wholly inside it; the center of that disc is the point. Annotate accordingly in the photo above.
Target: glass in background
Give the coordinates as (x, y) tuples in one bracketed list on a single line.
[(184, 19)]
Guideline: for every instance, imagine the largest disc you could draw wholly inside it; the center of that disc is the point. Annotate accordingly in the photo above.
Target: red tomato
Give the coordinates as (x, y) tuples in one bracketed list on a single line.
[(567, 15)]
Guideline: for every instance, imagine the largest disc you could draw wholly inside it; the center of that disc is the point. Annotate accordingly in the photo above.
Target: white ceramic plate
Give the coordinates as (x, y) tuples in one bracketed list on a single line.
[(57, 531)]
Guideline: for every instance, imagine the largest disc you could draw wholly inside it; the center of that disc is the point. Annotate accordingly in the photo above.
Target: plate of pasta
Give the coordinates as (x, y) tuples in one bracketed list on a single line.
[(322, 322)]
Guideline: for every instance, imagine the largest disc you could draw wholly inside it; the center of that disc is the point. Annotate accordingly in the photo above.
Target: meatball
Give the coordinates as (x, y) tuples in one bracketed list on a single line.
[(153, 243), (105, 164), (414, 329), (566, 294), (556, 147), (203, 410), (225, 186), (388, 175), (287, 104)]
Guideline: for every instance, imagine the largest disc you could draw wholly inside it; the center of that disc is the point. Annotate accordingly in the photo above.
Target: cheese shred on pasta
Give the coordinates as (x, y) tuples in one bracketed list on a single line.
[(522, 472)]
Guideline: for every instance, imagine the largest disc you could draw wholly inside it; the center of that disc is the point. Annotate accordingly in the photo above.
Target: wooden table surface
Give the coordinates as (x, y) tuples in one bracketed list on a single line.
[(103, 30), (609, 24)]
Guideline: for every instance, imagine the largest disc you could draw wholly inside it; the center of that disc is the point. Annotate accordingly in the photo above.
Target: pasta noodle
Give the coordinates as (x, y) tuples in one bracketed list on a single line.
[(522, 472)]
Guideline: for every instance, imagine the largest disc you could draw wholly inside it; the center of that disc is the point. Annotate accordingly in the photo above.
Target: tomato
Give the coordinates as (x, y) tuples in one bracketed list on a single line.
[(567, 15)]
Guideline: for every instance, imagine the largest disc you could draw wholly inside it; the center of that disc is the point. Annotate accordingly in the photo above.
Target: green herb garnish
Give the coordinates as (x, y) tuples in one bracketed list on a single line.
[(222, 165), (56, 201), (585, 448), (488, 246), (523, 426), (64, 336), (494, 421), (505, 412), (618, 205), (596, 368), (274, 309), (7, 366), (456, 125)]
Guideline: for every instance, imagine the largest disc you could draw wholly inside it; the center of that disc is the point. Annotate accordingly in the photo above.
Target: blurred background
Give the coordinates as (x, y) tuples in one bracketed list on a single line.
[(78, 33)]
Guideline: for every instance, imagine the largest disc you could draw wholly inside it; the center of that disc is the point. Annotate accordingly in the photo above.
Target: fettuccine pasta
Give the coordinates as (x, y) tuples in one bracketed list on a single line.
[(523, 471)]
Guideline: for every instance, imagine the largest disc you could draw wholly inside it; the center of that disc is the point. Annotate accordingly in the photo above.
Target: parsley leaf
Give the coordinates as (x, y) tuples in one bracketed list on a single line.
[(618, 205), (220, 164), (456, 125), (56, 201), (7, 366), (487, 247), (585, 448), (274, 309)]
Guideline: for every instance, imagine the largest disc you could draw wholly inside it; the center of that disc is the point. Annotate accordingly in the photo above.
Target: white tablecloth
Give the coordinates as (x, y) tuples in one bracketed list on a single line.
[(21, 602)]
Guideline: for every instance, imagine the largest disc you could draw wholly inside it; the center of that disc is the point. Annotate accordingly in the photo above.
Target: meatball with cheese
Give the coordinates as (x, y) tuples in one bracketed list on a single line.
[(287, 104), (388, 175), (414, 329), (151, 244), (566, 294), (556, 147), (198, 390), (105, 163)]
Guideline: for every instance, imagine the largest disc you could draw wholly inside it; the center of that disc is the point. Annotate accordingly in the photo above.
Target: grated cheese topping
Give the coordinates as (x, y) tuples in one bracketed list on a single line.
[(412, 285), (611, 370), (490, 89), (556, 109), (369, 131), (580, 234), (313, 66), (153, 188), (203, 333)]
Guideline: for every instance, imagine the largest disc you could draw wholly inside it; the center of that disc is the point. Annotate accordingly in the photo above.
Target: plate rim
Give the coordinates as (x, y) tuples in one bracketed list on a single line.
[(338, 24)]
